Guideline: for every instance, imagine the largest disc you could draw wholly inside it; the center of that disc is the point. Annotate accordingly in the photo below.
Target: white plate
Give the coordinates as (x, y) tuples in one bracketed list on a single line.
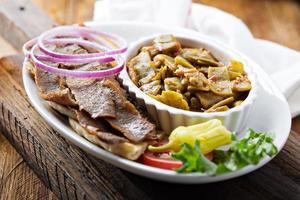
[(270, 113)]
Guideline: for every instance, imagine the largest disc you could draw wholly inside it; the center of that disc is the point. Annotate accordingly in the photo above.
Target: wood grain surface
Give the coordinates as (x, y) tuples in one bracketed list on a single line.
[(93, 179), (20, 20), (72, 174), (19, 181)]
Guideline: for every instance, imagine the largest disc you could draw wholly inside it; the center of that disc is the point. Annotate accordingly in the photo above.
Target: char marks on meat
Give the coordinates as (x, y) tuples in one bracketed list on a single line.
[(99, 127)]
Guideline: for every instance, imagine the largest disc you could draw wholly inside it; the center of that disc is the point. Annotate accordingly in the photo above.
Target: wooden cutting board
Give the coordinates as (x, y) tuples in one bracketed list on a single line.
[(72, 174)]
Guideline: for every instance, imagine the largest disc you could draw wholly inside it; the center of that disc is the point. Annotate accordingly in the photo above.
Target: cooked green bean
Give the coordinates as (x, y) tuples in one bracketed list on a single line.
[(188, 78)]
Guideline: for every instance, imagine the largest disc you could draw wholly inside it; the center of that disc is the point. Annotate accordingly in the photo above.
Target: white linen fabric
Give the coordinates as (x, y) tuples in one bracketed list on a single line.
[(281, 63)]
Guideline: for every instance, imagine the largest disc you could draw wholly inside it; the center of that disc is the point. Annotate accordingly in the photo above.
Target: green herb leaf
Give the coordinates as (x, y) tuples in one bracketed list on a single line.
[(193, 160), (247, 151)]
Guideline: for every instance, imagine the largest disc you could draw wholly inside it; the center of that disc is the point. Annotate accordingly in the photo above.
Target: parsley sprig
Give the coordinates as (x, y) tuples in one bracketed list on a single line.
[(247, 151)]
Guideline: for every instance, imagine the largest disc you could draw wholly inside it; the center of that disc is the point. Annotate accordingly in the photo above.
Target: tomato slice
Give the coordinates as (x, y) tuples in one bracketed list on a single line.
[(161, 160), (209, 156), (164, 160)]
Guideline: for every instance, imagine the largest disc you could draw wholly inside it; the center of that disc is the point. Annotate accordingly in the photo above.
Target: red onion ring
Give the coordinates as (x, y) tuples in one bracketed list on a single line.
[(61, 35), (78, 73), (79, 31), (32, 42)]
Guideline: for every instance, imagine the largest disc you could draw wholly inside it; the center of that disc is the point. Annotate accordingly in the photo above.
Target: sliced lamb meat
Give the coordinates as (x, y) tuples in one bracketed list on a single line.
[(92, 97), (99, 127), (128, 120), (104, 114), (51, 86), (52, 89)]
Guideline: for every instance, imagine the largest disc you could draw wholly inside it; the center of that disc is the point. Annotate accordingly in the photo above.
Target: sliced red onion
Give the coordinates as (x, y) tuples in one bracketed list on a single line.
[(84, 36), (85, 32), (27, 46), (78, 73), (65, 41)]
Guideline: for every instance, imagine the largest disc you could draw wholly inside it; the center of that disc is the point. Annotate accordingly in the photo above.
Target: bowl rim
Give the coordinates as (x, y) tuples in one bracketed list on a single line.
[(222, 48)]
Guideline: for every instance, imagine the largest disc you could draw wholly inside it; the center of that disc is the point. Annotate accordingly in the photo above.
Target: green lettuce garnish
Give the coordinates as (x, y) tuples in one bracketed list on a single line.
[(246, 151)]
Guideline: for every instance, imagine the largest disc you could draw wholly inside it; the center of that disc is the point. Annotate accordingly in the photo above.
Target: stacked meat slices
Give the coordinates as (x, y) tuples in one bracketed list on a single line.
[(97, 108)]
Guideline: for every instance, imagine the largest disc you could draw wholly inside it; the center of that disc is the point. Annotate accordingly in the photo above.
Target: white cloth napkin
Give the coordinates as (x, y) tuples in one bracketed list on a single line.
[(281, 63)]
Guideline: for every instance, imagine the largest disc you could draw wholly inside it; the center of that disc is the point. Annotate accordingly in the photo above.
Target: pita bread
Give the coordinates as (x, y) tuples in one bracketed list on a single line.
[(69, 112), (127, 150)]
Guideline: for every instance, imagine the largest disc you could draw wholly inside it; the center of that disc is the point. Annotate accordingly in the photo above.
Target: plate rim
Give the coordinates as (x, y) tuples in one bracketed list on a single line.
[(138, 168)]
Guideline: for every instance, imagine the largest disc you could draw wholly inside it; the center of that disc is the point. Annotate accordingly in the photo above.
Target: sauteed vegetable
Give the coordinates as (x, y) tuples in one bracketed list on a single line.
[(188, 78)]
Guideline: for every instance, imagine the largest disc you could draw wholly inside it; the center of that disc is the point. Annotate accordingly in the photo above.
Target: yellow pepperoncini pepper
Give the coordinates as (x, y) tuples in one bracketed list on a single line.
[(212, 134)]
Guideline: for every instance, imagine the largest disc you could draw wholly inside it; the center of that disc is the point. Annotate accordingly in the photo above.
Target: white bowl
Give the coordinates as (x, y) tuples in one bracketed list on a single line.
[(168, 118)]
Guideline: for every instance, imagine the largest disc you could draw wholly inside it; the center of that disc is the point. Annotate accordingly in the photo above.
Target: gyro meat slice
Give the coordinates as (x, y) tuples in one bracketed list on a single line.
[(92, 96), (99, 127), (70, 49), (51, 89), (128, 120)]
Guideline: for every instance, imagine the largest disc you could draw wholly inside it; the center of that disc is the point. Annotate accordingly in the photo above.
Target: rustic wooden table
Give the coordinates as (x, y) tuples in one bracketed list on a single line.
[(57, 166)]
